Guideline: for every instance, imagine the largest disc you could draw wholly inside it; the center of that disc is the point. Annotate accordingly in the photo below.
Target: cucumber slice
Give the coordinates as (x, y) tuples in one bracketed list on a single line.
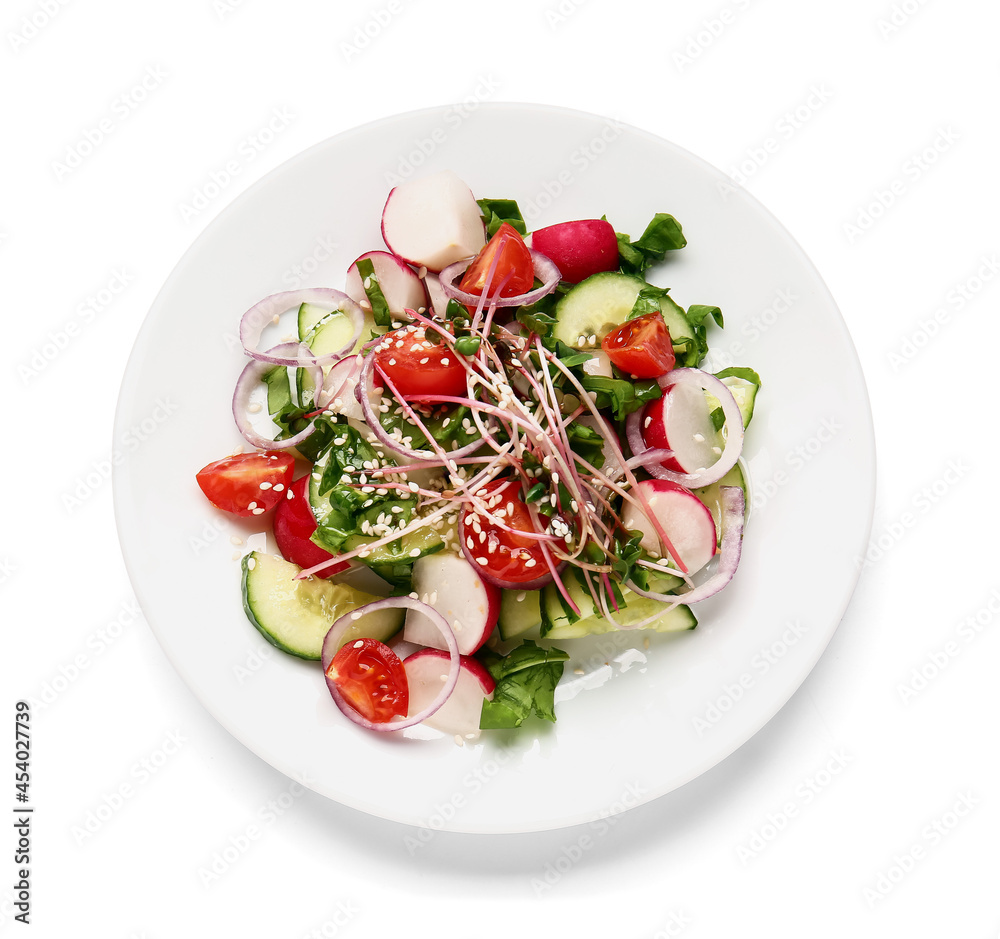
[(519, 612), (295, 615), (712, 498), (682, 335), (594, 307), (558, 621), (309, 316)]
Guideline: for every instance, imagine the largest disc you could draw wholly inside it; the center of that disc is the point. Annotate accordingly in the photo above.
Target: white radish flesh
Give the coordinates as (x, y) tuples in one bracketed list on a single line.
[(684, 518), (449, 584), (401, 287), (681, 421), (433, 221), (460, 714)]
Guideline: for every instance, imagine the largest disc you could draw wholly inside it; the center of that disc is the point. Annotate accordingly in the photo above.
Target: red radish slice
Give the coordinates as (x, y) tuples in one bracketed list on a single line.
[(433, 221), (580, 248), (680, 421), (435, 293), (427, 671), (401, 287), (339, 388), (733, 512), (684, 518), (695, 378), (448, 583), (448, 671)]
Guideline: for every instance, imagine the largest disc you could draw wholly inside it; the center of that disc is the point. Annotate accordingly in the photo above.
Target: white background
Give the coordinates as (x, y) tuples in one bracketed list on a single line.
[(882, 159)]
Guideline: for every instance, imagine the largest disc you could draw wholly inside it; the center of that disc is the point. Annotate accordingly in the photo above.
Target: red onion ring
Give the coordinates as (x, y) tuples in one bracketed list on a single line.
[(545, 270), (375, 425), (262, 314), (734, 425), (340, 626), (249, 379), (733, 508)]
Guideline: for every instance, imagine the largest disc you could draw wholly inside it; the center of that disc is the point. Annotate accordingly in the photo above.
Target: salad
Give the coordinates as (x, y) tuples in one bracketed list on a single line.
[(489, 442)]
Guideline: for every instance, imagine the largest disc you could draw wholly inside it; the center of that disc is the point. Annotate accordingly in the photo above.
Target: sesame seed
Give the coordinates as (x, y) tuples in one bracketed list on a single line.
[(265, 485)]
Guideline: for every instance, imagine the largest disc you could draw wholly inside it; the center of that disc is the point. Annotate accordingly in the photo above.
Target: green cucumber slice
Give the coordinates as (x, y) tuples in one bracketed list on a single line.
[(295, 615), (594, 307)]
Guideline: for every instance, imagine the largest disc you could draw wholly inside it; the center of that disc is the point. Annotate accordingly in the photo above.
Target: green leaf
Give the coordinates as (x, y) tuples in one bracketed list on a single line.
[(697, 314), (498, 211), (662, 234), (740, 371), (279, 389), (620, 395), (526, 679), (380, 309)]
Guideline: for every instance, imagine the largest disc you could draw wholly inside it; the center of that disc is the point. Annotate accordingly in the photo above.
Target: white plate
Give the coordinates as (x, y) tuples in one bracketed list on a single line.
[(630, 730)]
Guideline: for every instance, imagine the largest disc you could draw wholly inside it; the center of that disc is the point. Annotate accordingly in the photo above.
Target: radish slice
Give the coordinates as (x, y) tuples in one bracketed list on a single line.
[(433, 221), (733, 505), (680, 421), (246, 384), (427, 670), (339, 385), (262, 314), (436, 294), (446, 681), (734, 430), (682, 515), (448, 583), (400, 286), (544, 269)]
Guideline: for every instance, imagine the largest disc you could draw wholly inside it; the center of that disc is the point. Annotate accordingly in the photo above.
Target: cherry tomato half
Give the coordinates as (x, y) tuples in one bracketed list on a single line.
[(247, 484), (371, 678), (514, 559), (416, 366), (293, 523), (641, 347), (513, 264)]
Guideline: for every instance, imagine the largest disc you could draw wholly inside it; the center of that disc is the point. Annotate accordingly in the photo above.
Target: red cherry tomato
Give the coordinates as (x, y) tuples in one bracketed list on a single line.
[(514, 268), (641, 347), (416, 366), (293, 523), (515, 559), (247, 484), (579, 249), (371, 678)]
